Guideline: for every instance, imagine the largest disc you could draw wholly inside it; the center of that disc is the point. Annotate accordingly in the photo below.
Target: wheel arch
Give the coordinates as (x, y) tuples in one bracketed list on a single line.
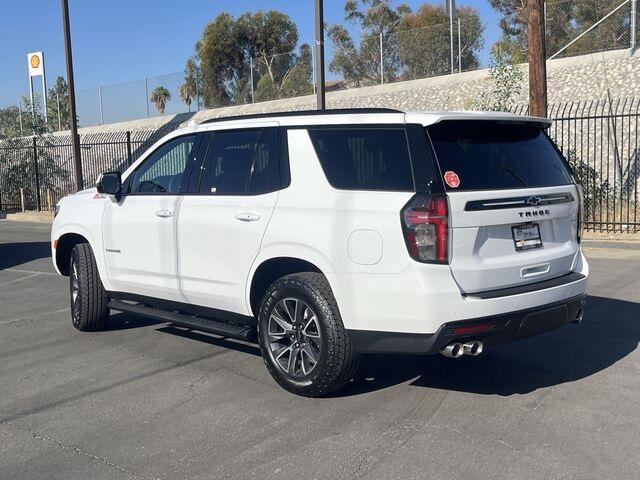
[(270, 269), (63, 247)]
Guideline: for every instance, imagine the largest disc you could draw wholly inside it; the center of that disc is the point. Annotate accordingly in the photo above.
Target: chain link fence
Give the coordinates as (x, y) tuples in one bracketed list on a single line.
[(574, 27)]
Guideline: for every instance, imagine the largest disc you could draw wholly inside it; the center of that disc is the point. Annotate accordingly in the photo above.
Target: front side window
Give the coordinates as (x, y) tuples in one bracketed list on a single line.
[(163, 170), (361, 158), (241, 162)]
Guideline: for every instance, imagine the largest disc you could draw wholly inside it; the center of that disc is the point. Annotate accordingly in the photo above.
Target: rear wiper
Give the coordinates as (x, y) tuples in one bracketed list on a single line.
[(506, 167)]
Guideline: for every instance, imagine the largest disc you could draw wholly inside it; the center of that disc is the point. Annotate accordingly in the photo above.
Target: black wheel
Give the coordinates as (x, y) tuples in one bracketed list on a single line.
[(302, 338), (89, 310)]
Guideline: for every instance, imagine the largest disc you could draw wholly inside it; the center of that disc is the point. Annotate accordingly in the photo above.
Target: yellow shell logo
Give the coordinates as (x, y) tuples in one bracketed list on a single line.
[(34, 61)]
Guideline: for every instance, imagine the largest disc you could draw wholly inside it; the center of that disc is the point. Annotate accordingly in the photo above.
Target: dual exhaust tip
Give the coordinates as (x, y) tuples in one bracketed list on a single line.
[(456, 350)]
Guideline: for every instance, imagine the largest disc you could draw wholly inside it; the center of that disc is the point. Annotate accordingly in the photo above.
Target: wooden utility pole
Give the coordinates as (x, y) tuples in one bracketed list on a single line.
[(73, 119), (319, 11), (537, 59)]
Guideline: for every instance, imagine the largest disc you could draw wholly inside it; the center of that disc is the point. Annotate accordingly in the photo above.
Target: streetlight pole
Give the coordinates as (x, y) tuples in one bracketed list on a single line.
[(537, 59), (75, 139), (319, 57)]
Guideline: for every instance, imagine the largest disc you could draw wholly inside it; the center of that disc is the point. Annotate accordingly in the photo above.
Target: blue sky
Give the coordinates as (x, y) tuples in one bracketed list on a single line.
[(117, 41)]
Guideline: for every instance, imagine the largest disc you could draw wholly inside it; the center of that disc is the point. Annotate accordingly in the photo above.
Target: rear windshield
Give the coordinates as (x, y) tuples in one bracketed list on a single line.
[(362, 158), (496, 155)]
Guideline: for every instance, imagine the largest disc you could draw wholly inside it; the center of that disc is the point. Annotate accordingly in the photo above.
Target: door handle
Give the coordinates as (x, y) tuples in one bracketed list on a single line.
[(247, 217), (164, 213)]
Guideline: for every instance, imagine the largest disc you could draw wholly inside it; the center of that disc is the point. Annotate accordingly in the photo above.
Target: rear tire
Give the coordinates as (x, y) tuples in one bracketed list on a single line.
[(302, 338), (89, 311)]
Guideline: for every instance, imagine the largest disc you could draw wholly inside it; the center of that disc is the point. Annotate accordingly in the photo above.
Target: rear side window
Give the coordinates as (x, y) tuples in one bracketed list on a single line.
[(364, 158), (497, 155), (241, 162)]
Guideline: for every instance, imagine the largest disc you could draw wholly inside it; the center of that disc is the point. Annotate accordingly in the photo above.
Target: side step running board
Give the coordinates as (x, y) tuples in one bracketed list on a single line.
[(241, 332)]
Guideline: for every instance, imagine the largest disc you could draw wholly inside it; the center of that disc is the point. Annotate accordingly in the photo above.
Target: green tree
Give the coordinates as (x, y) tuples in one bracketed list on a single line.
[(10, 121), (17, 163), (424, 41), (292, 80), (189, 89), (229, 47), (506, 85), (160, 96), (58, 97), (360, 65)]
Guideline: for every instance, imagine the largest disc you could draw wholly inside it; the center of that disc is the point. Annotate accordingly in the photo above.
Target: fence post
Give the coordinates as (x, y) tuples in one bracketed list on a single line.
[(313, 69), (0, 201), (100, 100), (251, 76), (197, 89), (37, 172), (59, 117), (451, 14), (146, 94), (634, 10), (22, 198), (48, 199), (459, 47), (129, 158), (381, 62)]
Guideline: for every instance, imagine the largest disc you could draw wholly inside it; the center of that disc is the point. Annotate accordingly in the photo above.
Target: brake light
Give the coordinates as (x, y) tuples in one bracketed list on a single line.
[(425, 222), (580, 218)]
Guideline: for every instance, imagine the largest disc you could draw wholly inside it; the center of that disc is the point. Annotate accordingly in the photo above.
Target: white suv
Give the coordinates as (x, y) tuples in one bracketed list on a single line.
[(334, 233)]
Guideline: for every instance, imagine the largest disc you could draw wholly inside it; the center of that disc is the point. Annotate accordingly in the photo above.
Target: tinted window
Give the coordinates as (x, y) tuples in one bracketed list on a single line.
[(364, 158), (163, 170), (493, 155), (242, 161)]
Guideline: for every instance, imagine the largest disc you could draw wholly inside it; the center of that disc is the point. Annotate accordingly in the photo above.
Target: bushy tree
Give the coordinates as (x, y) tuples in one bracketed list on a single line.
[(424, 41), (10, 121), (58, 97), (414, 45), (506, 85), (359, 65), (190, 89), (294, 79), (230, 47), (17, 166)]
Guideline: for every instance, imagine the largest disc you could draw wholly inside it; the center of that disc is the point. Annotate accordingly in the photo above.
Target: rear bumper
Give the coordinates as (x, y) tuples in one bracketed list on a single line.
[(505, 328)]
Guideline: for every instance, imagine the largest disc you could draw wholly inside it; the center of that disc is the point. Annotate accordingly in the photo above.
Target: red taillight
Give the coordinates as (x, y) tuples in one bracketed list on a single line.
[(426, 228)]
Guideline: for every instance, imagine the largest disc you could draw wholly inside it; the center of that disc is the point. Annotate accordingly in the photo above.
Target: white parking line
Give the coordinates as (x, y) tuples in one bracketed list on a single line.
[(30, 275)]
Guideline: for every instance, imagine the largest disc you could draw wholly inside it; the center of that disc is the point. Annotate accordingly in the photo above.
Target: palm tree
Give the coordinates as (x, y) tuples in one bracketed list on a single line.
[(160, 96), (186, 94)]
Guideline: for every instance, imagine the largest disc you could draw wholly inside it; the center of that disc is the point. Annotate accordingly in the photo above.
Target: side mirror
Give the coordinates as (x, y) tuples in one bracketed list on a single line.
[(109, 183)]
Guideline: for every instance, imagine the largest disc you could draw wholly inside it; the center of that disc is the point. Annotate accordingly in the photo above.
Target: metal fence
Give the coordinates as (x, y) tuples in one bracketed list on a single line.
[(599, 139)]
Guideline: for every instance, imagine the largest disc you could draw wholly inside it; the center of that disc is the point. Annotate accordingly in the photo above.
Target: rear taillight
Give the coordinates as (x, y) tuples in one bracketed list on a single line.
[(580, 219), (425, 222)]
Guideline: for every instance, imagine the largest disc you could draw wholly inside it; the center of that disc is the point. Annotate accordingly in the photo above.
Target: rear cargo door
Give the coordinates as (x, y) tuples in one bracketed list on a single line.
[(513, 205)]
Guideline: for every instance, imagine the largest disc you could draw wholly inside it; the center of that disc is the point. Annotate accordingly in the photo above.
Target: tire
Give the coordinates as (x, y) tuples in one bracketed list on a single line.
[(324, 359), (89, 311)]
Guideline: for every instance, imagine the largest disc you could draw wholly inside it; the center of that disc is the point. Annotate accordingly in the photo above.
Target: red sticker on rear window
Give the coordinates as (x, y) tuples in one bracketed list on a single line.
[(452, 179)]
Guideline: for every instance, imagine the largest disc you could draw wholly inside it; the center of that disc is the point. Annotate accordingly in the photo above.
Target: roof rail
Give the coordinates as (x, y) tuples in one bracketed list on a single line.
[(298, 113)]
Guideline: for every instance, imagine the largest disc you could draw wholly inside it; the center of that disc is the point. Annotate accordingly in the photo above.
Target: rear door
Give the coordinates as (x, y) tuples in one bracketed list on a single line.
[(222, 222), (513, 204)]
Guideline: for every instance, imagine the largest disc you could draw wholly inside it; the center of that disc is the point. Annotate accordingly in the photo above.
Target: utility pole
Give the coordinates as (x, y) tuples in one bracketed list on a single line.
[(319, 10), (537, 59), (75, 138)]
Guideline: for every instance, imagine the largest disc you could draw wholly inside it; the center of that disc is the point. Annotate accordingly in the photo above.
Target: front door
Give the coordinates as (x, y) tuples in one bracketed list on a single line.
[(139, 229)]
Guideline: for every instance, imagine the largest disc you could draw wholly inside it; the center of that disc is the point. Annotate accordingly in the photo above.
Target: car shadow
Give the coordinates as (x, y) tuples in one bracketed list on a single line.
[(232, 344), (609, 332), (128, 321), (16, 254)]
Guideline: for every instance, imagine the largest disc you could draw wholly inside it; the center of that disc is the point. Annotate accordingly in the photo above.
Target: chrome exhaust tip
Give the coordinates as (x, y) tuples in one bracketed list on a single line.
[(474, 348), (453, 350)]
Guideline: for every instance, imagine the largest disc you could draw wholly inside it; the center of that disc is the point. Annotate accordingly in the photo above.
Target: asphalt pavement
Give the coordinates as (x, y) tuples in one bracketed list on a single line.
[(148, 400)]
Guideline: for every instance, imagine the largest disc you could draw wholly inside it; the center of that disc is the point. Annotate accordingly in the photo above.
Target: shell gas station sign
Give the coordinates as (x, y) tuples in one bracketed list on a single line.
[(35, 62)]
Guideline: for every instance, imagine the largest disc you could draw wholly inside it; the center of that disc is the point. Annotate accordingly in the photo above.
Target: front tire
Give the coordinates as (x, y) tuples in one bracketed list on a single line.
[(89, 311), (302, 338)]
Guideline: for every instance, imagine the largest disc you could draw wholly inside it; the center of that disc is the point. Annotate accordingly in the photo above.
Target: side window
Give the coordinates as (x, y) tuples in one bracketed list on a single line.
[(364, 158), (241, 162), (163, 170)]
